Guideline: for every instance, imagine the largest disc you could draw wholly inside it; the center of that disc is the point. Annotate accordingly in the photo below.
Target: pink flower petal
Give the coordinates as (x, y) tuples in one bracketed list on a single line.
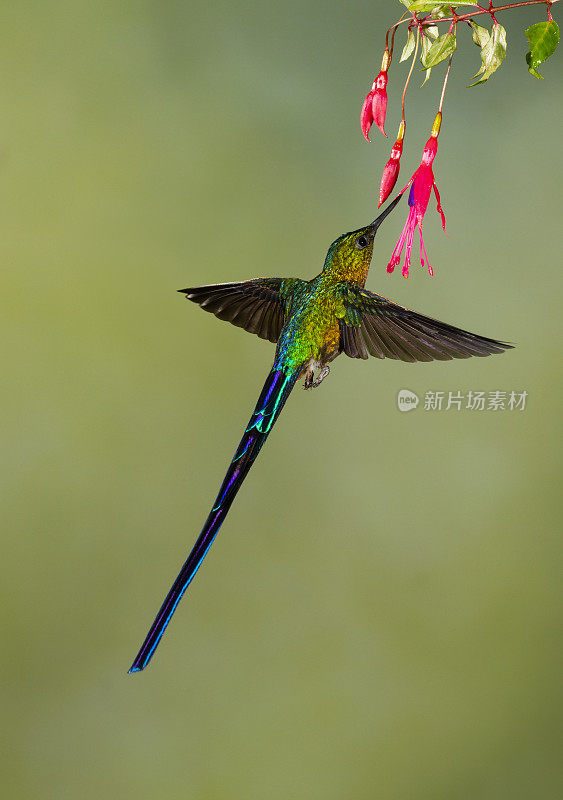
[(439, 207), (366, 117), (388, 179), (379, 109)]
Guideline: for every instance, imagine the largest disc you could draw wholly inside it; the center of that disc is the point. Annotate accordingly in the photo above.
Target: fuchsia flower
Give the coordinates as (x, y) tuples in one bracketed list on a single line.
[(421, 183), (375, 104), (391, 169)]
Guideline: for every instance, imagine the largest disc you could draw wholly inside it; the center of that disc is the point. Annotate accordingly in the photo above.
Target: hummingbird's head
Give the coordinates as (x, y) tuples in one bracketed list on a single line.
[(350, 255)]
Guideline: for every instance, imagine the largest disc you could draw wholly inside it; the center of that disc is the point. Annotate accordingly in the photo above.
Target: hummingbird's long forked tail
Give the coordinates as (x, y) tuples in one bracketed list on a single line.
[(276, 390)]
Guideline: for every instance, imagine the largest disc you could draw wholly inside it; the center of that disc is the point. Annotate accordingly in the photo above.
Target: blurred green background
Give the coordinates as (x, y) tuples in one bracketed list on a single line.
[(379, 615)]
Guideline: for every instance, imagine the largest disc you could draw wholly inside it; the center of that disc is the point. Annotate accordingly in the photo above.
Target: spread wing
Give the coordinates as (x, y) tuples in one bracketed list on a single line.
[(373, 325), (259, 306)]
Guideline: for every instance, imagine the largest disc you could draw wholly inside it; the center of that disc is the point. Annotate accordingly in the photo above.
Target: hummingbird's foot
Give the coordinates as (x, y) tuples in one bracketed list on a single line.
[(309, 376), (310, 381), (321, 376)]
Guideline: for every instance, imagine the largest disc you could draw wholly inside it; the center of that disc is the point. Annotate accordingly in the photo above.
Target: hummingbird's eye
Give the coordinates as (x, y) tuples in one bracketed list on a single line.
[(361, 242)]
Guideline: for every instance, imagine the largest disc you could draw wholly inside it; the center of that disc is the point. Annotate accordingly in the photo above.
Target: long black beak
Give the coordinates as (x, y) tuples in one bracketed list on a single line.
[(377, 222)]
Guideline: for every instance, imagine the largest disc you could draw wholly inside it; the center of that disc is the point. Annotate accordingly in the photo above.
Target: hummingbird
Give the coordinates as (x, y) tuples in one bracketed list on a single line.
[(311, 322)]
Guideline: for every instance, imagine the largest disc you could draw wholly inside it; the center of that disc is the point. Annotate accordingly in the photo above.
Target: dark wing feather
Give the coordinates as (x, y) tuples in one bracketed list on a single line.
[(258, 305), (374, 325)]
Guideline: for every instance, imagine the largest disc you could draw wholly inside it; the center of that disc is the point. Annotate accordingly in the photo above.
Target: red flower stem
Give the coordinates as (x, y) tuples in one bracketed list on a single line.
[(410, 19), (394, 28), (491, 11), (409, 75), (393, 41), (445, 84)]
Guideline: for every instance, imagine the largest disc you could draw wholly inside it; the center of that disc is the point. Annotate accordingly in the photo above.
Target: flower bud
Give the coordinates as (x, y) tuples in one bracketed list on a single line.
[(375, 104), (379, 102), (391, 170)]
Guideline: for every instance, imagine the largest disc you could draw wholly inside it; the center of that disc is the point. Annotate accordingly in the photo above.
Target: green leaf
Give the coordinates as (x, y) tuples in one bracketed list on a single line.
[(428, 71), (493, 52), (435, 9), (409, 47), (430, 5), (543, 38), (432, 30), (405, 2), (480, 34), (438, 12), (426, 45), (442, 48)]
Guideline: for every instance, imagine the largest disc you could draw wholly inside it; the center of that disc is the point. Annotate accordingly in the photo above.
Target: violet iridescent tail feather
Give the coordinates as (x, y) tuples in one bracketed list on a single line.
[(276, 390)]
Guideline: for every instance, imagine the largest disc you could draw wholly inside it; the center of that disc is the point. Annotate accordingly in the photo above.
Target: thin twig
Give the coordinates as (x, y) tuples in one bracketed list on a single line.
[(491, 11), (445, 84), (410, 73)]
